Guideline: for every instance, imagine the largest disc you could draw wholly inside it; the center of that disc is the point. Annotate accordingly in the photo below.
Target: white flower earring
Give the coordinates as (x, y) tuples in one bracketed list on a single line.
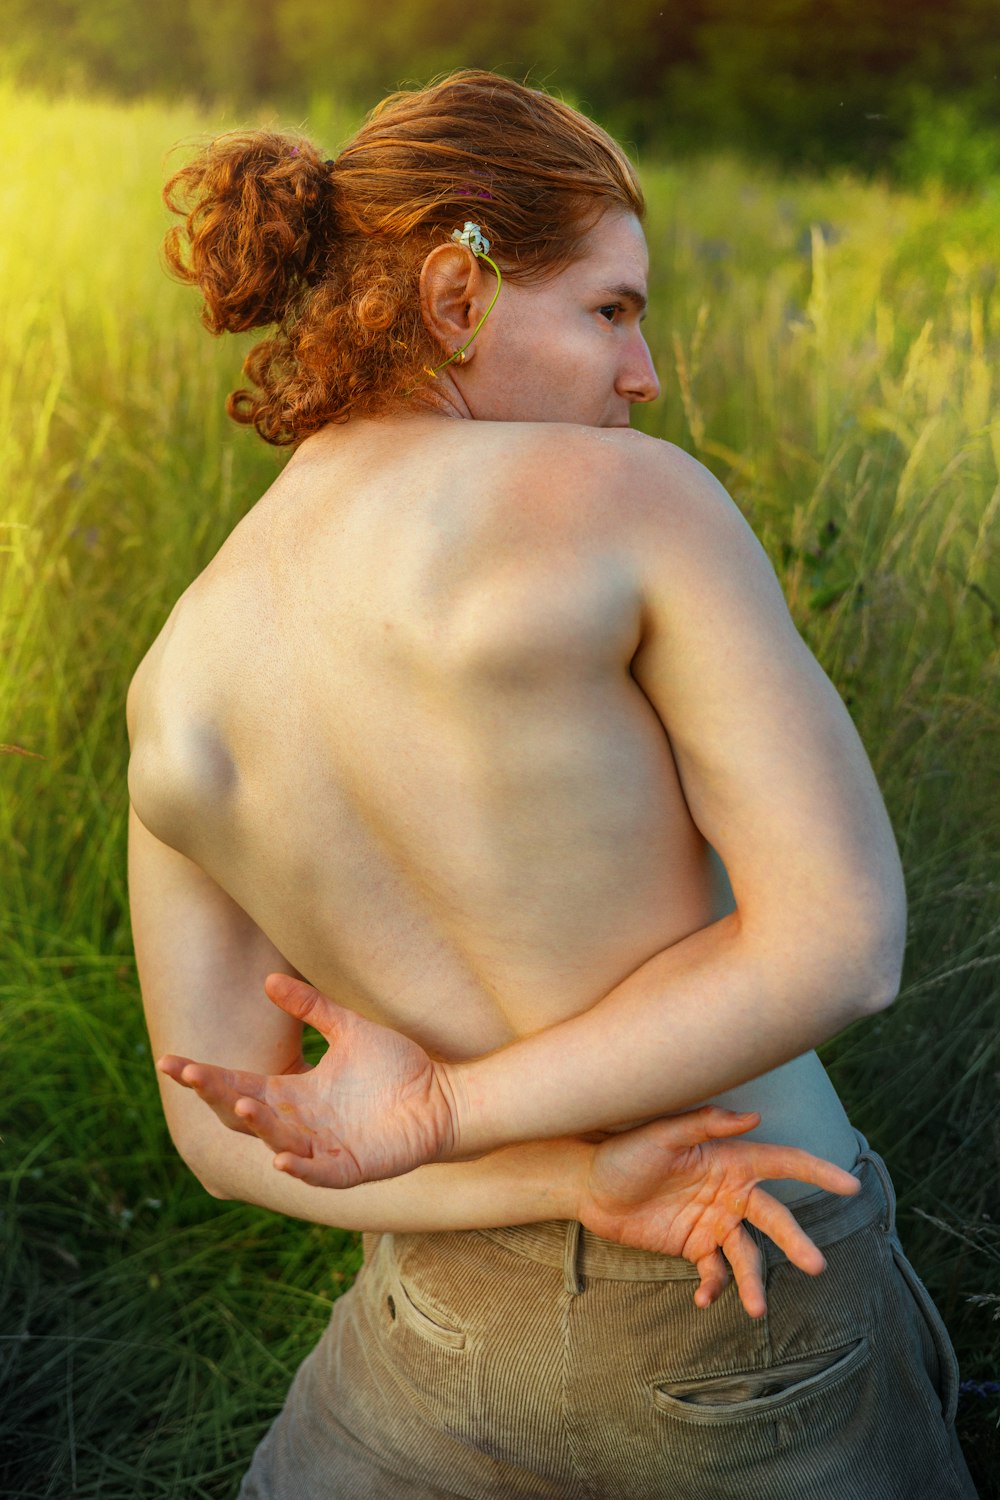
[(472, 237)]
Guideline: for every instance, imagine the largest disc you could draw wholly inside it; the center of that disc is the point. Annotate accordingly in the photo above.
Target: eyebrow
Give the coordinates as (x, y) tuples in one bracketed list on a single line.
[(629, 294)]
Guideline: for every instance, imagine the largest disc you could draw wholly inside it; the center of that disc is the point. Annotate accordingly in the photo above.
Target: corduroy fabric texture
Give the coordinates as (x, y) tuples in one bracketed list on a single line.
[(542, 1362)]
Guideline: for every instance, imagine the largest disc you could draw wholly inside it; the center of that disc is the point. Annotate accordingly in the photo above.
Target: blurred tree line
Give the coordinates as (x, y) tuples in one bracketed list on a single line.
[(809, 82)]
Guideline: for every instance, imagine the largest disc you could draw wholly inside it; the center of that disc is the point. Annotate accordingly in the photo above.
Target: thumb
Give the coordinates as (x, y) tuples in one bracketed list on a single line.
[(304, 1002), (704, 1124), (717, 1121)]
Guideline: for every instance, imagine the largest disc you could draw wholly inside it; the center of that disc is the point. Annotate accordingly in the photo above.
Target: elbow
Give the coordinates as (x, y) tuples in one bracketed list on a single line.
[(205, 1174), (226, 1162), (849, 966), (882, 985), (215, 1192), (890, 973), (885, 928), (200, 1161), (879, 963), (210, 1182), (864, 940)]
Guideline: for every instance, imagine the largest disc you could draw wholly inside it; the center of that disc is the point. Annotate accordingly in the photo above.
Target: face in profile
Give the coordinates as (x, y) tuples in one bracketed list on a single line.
[(570, 348)]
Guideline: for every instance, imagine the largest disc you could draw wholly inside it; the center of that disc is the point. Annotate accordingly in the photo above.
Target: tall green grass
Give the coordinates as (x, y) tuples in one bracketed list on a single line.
[(829, 349)]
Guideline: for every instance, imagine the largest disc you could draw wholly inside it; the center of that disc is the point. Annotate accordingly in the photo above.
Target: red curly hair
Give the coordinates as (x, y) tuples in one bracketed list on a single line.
[(331, 251)]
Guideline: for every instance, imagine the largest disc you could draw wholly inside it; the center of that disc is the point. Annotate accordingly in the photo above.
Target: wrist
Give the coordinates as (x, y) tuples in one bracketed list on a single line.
[(464, 1136), (576, 1177), (450, 1093), (552, 1176)]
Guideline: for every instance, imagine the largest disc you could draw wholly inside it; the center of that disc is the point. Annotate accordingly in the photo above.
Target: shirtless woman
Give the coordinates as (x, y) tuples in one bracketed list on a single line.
[(490, 722)]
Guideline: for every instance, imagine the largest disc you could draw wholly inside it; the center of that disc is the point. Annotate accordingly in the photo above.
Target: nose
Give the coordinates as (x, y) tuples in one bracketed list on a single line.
[(637, 380)]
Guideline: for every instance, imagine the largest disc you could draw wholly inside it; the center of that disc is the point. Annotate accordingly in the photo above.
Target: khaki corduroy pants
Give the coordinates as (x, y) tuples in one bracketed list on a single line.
[(546, 1363)]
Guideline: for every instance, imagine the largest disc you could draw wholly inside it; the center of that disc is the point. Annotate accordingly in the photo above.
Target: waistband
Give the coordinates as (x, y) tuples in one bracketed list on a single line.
[(825, 1217)]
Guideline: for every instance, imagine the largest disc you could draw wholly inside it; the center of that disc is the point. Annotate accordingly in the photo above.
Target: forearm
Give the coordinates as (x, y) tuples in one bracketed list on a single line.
[(697, 1018), (521, 1184)]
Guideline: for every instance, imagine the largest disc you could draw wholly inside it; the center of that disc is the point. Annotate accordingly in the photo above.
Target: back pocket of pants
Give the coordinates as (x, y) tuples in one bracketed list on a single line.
[(750, 1394)]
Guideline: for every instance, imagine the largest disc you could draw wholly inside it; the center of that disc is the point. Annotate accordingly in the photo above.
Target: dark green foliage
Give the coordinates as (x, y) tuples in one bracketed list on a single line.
[(809, 82)]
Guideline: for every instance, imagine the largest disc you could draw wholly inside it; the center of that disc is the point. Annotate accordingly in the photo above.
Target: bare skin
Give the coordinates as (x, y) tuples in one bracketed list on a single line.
[(452, 720)]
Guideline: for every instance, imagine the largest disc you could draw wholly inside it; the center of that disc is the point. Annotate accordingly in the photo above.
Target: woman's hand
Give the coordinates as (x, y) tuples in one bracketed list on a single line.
[(677, 1186), (377, 1106), (374, 1106)]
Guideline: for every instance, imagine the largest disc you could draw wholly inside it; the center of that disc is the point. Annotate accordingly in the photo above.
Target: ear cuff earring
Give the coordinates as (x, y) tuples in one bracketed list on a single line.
[(473, 239)]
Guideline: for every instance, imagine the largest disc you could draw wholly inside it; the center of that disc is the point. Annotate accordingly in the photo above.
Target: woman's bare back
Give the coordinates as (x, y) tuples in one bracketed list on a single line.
[(395, 720)]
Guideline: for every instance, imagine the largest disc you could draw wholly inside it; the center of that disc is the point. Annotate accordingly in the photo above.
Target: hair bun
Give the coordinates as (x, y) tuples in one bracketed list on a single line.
[(258, 226)]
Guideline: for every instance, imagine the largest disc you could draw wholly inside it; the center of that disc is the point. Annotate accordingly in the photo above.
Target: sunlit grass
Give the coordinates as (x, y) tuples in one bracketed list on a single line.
[(828, 347)]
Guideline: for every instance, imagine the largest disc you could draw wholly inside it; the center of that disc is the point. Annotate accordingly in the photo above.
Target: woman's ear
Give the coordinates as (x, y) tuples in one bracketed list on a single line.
[(451, 287)]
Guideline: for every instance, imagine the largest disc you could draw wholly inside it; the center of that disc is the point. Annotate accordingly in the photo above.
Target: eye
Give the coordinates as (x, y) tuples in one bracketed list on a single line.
[(610, 310)]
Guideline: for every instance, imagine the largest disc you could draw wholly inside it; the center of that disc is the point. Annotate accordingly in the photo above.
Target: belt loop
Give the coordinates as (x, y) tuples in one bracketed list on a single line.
[(571, 1251), (888, 1219)]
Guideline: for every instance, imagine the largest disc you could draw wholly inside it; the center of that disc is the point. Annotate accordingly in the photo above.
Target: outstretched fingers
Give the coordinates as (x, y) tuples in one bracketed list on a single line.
[(214, 1084), (173, 1066), (207, 1078), (276, 1131), (219, 1088), (334, 1169), (773, 1162), (780, 1225), (745, 1258), (714, 1278)]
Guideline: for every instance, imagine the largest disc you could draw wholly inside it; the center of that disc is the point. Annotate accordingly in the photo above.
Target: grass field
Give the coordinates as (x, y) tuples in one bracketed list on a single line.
[(829, 348)]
